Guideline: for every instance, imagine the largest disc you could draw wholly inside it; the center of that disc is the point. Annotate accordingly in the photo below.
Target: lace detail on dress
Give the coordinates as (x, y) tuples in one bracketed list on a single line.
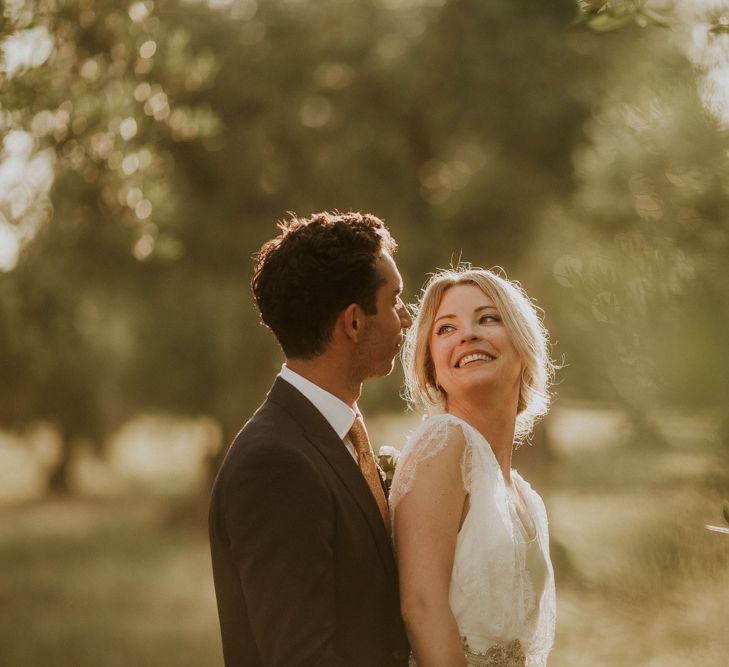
[(428, 440), (467, 468)]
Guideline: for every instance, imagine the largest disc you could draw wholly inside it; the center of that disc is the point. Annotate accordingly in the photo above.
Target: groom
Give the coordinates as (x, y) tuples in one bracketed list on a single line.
[(303, 566)]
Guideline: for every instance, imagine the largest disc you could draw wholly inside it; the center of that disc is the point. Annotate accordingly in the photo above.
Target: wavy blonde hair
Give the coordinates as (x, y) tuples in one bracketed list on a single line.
[(522, 322)]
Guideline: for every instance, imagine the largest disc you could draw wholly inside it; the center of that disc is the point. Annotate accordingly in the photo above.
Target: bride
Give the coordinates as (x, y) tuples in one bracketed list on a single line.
[(476, 582)]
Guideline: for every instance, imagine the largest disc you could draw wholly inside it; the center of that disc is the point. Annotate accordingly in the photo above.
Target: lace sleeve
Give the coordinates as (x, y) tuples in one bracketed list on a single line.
[(429, 439)]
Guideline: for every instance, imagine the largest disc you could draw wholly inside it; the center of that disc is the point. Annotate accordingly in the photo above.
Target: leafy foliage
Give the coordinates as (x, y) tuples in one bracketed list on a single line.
[(163, 139)]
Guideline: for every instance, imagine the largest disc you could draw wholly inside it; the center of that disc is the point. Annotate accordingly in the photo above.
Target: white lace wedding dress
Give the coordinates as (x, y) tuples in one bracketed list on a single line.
[(502, 586)]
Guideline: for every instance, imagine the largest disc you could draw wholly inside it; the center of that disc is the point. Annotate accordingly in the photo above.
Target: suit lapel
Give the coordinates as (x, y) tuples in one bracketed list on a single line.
[(322, 436)]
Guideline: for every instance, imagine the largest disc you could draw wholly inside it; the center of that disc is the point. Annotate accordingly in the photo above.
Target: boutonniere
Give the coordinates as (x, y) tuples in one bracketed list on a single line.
[(387, 462)]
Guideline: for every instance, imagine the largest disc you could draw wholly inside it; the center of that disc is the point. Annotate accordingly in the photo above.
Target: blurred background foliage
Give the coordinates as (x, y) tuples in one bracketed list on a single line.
[(149, 147)]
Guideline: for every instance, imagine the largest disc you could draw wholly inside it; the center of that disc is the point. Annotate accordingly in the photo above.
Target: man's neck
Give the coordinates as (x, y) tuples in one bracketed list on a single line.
[(328, 375)]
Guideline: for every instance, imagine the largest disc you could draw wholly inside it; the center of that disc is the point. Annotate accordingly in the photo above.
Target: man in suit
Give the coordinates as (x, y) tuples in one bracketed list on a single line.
[(299, 527)]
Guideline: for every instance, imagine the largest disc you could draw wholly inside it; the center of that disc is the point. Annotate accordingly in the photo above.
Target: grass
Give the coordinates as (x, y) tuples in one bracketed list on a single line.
[(647, 583), (641, 583), (108, 584)]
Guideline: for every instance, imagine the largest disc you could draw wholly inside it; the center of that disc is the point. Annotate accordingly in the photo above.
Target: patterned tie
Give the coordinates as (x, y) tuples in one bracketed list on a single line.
[(366, 457)]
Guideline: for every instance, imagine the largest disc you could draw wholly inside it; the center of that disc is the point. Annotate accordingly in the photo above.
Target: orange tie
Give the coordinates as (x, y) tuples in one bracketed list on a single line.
[(366, 457)]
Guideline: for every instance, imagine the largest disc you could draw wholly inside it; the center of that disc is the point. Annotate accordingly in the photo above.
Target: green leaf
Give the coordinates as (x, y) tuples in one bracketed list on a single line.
[(655, 18), (581, 19), (605, 21), (592, 6)]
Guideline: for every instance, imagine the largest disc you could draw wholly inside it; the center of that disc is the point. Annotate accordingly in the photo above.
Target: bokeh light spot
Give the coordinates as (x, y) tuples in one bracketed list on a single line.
[(138, 11), (142, 92), (128, 128), (130, 164), (143, 209), (90, 70), (316, 111), (144, 247), (25, 49), (148, 49)]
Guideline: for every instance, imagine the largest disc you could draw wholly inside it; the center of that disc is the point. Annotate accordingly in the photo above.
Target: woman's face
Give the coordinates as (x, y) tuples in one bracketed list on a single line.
[(470, 346)]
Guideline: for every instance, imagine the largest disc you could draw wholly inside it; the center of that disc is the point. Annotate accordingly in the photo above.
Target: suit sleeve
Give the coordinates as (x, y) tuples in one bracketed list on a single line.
[(280, 519)]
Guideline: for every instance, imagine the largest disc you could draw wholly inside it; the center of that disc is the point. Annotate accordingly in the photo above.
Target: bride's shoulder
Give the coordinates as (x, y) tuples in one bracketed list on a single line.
[(438, 430), (436, 435), (443, 422)]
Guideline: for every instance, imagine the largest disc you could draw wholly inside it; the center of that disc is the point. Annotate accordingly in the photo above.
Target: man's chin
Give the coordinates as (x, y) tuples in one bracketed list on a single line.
[(382, 371)]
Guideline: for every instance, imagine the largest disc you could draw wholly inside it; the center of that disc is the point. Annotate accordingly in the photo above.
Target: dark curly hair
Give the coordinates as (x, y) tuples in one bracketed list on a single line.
[(306, 276)]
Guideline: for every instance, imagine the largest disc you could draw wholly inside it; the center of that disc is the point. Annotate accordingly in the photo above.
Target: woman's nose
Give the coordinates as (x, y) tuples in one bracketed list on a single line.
[(469, 333)]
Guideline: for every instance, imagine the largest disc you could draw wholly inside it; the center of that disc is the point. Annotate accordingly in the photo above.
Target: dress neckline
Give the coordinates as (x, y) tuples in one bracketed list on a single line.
[(522, 528), (516, 480)]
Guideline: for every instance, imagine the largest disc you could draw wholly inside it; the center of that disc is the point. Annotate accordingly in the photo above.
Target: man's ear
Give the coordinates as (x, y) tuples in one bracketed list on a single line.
[(352, 321)]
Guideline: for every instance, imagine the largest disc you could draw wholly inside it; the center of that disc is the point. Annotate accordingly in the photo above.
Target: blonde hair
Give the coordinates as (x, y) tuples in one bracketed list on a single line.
[(522, 322)]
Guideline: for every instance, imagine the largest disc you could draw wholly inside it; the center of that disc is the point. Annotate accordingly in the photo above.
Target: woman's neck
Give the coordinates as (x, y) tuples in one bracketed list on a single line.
[(496, 421)]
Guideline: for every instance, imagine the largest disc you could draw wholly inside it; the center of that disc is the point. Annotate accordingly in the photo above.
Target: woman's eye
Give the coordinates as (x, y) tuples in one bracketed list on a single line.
[(489, 318), (443, 328)]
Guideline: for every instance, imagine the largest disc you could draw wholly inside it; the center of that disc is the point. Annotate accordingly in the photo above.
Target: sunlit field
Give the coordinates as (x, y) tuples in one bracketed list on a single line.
[(105, 583), (125, 579)]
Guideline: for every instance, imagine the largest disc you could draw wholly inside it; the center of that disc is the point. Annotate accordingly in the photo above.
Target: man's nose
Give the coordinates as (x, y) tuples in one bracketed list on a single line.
[(406, 319)]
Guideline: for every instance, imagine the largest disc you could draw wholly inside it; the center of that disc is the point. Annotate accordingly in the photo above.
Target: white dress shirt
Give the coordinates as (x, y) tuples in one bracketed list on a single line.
[(339, 415)]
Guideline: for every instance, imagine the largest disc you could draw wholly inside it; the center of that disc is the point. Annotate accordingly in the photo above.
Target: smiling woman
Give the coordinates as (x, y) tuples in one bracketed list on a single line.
[(507, 309), (476, 580), (471, 348)]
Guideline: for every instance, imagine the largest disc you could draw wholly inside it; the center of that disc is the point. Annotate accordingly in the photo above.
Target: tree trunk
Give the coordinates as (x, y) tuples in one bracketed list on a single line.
[(58, 479)]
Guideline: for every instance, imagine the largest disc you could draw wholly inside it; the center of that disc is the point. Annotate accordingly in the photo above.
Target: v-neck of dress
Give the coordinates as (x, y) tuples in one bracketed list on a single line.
[(516, 517), (516, 482)]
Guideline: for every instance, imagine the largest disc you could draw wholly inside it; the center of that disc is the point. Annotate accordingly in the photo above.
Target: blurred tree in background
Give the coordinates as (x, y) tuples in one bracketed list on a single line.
[(149, 147), (641, 248), (99, 110)]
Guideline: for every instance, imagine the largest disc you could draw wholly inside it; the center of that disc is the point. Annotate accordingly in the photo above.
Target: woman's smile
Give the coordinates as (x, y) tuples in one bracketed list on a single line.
[(471, 358)]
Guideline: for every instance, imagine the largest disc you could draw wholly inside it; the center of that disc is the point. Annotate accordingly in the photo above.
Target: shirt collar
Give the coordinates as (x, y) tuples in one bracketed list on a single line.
[(339, 415)]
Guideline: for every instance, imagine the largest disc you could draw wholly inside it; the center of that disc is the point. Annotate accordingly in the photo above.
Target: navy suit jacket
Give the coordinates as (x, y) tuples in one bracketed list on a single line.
[(303, 566)]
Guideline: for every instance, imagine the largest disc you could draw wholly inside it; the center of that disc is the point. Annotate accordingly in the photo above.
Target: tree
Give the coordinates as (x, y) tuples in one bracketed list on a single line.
[(180, 133), (640, 252)]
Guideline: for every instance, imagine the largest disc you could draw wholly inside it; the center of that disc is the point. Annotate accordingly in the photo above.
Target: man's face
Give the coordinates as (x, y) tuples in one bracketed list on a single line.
[(382, 332)]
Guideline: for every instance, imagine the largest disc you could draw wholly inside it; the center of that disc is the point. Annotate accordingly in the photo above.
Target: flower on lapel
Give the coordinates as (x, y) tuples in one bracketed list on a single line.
[(387, 462)]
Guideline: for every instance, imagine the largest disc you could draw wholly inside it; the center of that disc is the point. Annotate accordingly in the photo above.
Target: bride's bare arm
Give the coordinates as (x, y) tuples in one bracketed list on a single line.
[(426, 528)]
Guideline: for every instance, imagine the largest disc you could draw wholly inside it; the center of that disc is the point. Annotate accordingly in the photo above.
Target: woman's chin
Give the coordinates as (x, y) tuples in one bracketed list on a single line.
[(474, 385)]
